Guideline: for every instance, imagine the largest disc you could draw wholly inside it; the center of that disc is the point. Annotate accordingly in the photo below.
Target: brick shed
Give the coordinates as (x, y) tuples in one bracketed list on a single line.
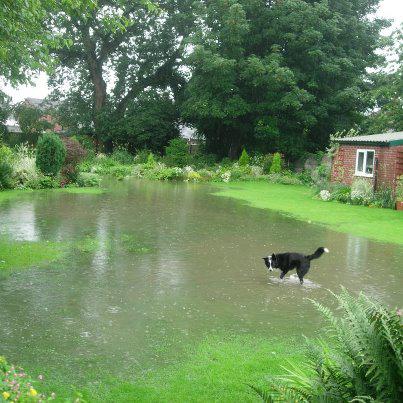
[(378, 157)]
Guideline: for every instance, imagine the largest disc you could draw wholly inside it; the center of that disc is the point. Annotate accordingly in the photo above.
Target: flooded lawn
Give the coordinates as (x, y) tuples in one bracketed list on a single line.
[(153, 267)]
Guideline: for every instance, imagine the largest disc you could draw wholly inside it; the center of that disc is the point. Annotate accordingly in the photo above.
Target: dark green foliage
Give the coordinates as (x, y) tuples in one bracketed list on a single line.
[(122, 156), (276, 165), (150, 163), (50, 154), (362, 361), (244, 158), (149, 123), (141, 50), (387, 93), (31, 122), (177, 152), (279, 75), (142, 156), (6, 175), (383, 197), (341, 193)]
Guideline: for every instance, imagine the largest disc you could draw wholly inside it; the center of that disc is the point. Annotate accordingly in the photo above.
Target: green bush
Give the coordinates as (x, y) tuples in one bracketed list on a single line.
[(384, 198), (267, 162), (86, 179), (6, 175), (122, 156), (6, 170), (276, 165), (177, 153), (141, 156), (341, 193), (362, 192), (5, 153), (42, 182), (226, 162), (161, 172), (244, 158), (50, 154), (151, 163), (361, 362), (399, 188)]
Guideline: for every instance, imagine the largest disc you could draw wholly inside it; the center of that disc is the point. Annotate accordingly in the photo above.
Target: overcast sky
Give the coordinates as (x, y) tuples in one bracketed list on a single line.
[(391, 9)]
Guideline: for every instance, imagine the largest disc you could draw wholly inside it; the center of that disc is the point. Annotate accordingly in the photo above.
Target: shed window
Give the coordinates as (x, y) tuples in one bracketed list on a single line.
[(364, 165)]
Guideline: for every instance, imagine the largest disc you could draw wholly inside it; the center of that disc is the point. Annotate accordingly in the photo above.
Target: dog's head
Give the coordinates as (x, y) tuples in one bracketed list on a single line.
[(271, 262)]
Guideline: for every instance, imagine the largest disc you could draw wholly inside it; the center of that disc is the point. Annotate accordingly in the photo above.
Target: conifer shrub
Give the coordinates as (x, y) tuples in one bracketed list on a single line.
[(50, 154), (177, 153), (276, 164), (244, 158)]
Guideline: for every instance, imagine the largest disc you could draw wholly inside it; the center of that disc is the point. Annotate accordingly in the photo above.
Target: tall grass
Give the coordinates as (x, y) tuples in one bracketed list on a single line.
[(360, 361)]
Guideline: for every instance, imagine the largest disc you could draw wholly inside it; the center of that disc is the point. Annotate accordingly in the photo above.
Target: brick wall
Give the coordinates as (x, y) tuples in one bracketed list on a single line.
[(343, 166)]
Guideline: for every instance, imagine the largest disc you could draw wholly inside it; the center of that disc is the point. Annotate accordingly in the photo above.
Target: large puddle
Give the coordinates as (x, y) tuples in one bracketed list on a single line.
[(122, 308)]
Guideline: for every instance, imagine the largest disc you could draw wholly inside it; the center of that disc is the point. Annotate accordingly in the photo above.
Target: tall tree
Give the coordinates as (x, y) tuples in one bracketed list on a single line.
[(131, 45), (387, 92), (279, 75)]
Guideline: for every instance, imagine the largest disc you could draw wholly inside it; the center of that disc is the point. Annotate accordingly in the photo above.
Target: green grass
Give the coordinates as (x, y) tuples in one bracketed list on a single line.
[(23, 254), (297, 201), (219, 369), (88, 190)]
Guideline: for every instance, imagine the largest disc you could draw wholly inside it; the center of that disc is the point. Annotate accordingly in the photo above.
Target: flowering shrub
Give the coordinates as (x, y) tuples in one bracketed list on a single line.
[(16, 385), (362, 192), (87, 179), (325, 195), (193, 176), (226, 176)]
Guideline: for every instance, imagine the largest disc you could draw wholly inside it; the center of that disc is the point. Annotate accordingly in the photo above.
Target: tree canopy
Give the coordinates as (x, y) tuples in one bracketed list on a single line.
[(270, 76), (279, 75), (132, 46)]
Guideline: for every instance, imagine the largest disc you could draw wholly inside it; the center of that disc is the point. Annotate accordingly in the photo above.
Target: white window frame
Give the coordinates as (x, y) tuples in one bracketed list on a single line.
[(358, 173)]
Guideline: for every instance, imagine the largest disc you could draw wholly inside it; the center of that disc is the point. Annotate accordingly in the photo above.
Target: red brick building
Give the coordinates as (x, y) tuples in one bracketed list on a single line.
[(378, 157)]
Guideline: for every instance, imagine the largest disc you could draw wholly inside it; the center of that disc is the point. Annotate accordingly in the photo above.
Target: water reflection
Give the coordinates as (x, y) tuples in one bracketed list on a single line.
[(106, 305)]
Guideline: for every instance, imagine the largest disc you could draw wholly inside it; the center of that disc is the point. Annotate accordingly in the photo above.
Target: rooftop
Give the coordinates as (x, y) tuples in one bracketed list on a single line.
[(390, 138)]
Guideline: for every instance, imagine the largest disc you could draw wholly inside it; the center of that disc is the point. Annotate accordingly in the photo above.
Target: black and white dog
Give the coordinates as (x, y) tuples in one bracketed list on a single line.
[(289, 261)]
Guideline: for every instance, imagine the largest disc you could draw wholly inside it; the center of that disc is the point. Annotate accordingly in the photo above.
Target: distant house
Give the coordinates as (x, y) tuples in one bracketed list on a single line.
[(44, 104), (189, 135), (377, 158)]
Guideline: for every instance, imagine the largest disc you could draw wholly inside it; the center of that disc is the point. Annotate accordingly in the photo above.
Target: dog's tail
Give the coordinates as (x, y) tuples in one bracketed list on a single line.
[(318, 253)]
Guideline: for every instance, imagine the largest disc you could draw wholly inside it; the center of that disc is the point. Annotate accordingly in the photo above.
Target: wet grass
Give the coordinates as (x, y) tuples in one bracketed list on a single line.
[(297, 201), (132, 244), (90, 191), (219, 369), (23, 254)]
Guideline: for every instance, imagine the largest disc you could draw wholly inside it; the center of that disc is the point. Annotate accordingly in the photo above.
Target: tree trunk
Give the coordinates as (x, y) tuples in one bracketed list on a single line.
[(95, 69), (234, 146)]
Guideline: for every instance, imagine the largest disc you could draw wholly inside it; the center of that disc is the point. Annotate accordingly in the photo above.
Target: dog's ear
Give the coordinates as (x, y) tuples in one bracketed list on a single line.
[(273, 256)]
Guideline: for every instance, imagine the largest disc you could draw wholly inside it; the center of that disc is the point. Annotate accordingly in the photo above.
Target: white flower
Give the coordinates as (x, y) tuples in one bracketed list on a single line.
[(325, 195), (226, 176)]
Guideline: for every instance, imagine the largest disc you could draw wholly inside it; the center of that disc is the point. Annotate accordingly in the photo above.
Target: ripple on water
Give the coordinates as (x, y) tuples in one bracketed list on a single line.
[(294, 280)]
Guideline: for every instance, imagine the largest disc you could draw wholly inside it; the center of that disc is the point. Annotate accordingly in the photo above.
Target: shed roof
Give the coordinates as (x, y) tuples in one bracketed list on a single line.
[(385, 139)]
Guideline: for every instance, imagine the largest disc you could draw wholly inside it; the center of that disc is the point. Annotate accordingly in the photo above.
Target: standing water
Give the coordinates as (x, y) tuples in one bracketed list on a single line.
[(153, 267)]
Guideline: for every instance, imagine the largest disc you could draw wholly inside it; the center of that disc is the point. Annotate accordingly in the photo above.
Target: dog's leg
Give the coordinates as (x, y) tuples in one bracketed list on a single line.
[(301, 271), (282, 275)]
